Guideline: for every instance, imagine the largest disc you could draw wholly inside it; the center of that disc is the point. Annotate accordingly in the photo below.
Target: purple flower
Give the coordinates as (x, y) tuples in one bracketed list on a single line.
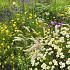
[(8, 13), (60, 23), (21, 10), (15, 9), (27, 1), (5, 10), (22, 1), (53, 22)]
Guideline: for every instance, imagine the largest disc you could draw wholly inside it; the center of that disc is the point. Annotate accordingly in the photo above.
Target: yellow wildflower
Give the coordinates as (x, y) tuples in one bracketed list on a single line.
[(2, 44), (12, 20), (17, 18), (11, 61), (48, 30), (40, 25), (12, 57), (37, 23), (54, 17), (13, 68), (30, 16), (3, 38), (14, 25), (5, 62), (62, 14), (7, 31), (35, 15), (18, 14), (5, 27), (15, 28), (8, 46), (13, 34)]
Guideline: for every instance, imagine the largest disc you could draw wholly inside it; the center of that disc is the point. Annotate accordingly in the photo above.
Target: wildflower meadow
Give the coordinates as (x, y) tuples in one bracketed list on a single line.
[(34, 34)]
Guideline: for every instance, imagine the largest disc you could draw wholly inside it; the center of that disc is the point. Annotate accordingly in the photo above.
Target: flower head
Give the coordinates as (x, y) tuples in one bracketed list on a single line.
[(53, 22)]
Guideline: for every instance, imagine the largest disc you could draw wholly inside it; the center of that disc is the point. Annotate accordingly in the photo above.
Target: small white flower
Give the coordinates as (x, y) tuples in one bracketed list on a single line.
[(35, 69), (52, 39), (55, 62), (32, 62), (46, 52), (57, 55), (41, 60), (68, 61), (59, 50), (56, 30), (50, 63), (63, 33), (68, 67), (14, 3), (49, 49), (30, 69), (56, 26), (40, 55), (48, 67), (69, 51), (67, 36), (62, 65), (46, 41), (55, 46), (61, 39), (36, 63), (47, 13), (44, 57), (67, 46), (43, 66), (61, 53), (38, 58), (50, 43), (68, 42), (62, 56), (50, 53), (52, 68)]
